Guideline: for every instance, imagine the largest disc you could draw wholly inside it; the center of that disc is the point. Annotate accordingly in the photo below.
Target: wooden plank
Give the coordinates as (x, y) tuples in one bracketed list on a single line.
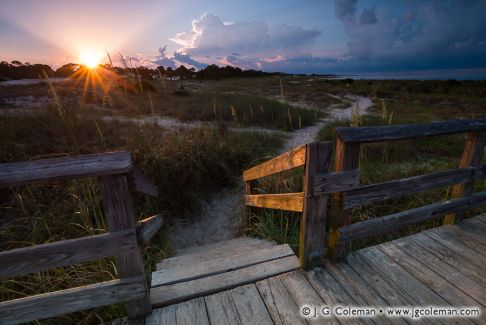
[(347, 158), (460, 280), (332, 293), (214, 251), (70, 300), (148, 227), (399, 220), (218, 249), (286, 201), (471, 156), (408, 131), (467, 240), (431, 279), (456, 247), (212, 267), (173, 293), (458, 262), (400, 278), (119, 216), (480, 218), (291, 159), (357, 288), (221, 309), (478, 230), (335, 182), (47, 256), (141, 184), (126, 321), (304, 294), (312, 240), (162, 316), (392, 296), (406, 186), (250, 305), (29, 172), (280, 305), (192, 312)]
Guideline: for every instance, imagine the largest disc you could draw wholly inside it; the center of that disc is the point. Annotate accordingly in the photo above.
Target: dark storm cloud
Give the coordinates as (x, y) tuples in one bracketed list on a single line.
[(428, 34), (367, 17)]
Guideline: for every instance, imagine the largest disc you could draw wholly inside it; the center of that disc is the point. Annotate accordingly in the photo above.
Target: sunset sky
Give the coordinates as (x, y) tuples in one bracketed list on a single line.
[(340, 36)]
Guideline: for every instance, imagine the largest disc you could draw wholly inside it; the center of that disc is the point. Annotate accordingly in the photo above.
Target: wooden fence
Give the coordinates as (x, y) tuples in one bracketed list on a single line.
[(343, 188), (316, 158), (116, 177)]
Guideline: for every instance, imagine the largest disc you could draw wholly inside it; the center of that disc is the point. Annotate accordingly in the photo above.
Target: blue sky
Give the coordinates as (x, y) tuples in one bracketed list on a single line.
[(338, 36)]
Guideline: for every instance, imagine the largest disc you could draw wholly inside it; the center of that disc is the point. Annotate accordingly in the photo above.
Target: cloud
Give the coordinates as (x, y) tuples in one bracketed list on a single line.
[(427, 34), (163, 59), (210, 37), (187, 60), (346, 10), (368, 17)]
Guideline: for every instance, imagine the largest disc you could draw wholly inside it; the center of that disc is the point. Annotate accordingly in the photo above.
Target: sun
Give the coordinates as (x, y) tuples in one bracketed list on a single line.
[(90, 58)]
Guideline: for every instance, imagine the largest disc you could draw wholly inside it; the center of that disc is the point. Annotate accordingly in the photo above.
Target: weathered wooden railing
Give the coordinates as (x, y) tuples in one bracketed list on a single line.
[(341, 231), (343, 186), (315, 157), (116, 177)]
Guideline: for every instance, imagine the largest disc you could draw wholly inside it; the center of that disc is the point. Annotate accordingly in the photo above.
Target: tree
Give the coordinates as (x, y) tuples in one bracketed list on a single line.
[(67, 69)]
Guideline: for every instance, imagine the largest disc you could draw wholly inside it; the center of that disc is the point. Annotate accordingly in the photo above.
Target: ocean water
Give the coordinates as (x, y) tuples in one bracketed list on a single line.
[(458, 74)]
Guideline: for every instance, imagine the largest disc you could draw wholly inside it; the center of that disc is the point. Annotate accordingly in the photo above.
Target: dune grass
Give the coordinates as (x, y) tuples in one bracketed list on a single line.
[(184, 100), (187, 166)]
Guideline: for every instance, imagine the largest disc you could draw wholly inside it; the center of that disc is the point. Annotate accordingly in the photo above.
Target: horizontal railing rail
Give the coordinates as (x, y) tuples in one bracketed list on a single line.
[(289, 160), (286, 201), (116, 177), (396, 221), (408, 131)]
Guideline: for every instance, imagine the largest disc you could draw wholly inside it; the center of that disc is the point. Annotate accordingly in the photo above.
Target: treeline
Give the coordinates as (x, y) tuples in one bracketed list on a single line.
[(19, 70)]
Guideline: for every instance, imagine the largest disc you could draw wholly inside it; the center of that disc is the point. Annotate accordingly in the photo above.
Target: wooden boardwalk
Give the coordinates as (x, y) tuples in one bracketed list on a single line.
[(444, 266)]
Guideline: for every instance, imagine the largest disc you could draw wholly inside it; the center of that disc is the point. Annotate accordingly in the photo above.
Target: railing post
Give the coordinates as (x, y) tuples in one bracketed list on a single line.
[(119, 215), (347, 158), (471, 157), (248, 191), (313, 224)]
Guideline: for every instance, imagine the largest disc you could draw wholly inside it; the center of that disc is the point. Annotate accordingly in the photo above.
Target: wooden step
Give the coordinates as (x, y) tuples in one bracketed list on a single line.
[(214, 251), (218, 267)]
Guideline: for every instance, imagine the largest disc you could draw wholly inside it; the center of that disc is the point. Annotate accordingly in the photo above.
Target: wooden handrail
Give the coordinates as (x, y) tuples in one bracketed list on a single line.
[(348, 141), (29, 172), (48, 256), (70, 300), (408, 131), (286, 201), (291, 159), (343, 185), (315, 157), (392, 222), (116, 177), (406, 186)]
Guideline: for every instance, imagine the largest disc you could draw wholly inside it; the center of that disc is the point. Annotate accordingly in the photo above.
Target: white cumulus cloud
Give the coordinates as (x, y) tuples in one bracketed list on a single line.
[(211, 37)]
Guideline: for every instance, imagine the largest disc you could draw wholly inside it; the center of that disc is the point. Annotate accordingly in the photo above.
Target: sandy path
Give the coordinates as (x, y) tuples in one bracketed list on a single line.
[(222, 217), (308, 134)]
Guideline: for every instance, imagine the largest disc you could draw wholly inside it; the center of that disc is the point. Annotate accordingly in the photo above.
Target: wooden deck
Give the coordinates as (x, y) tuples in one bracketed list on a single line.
[(444, 266)]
